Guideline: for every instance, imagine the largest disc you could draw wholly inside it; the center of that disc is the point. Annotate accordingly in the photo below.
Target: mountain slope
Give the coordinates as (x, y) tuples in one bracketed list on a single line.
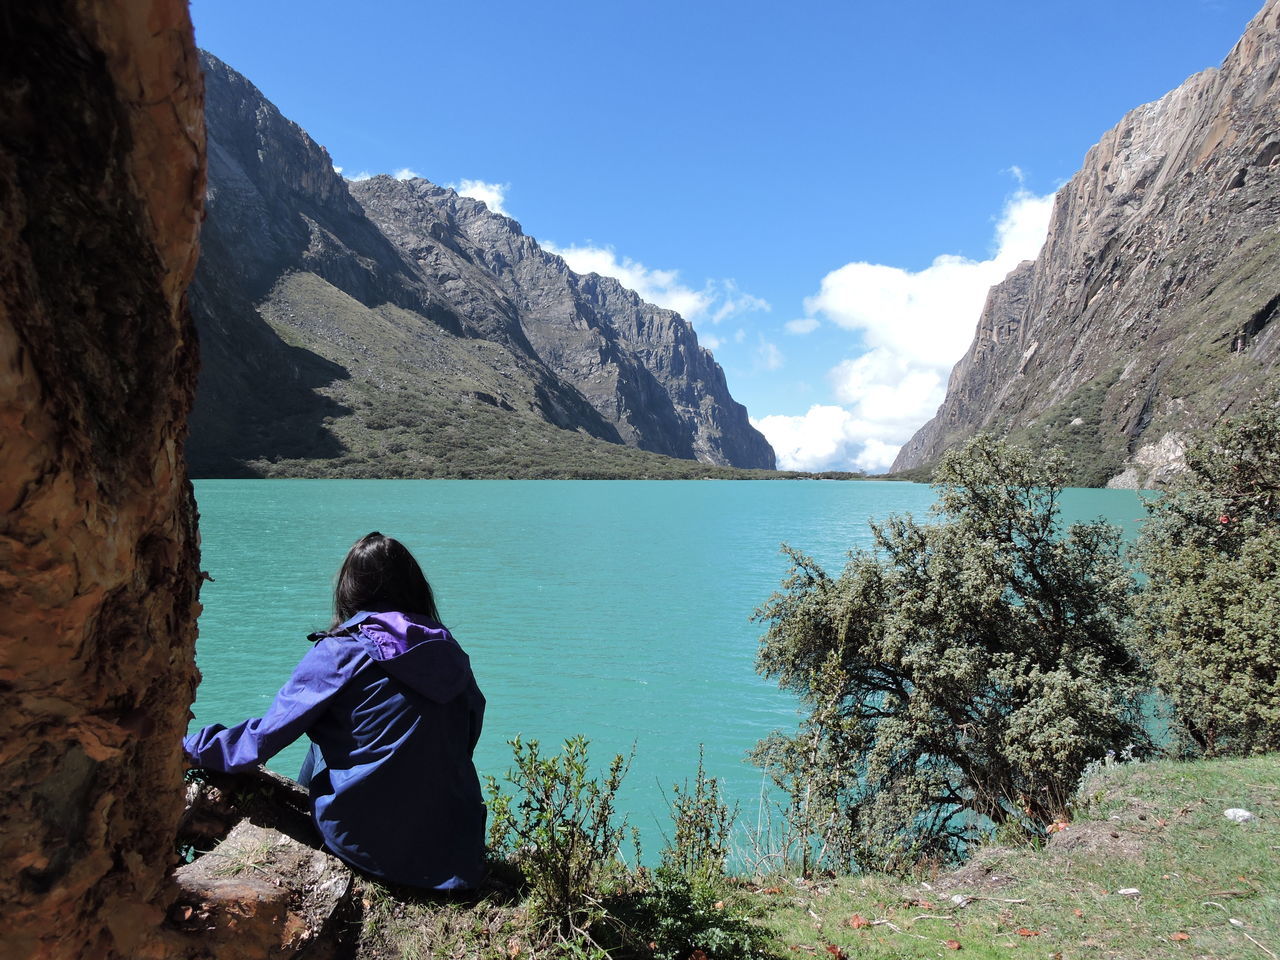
[(1148, 311), (336, 344)]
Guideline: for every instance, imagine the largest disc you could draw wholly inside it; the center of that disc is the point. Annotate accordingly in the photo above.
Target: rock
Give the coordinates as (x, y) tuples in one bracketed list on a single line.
[(260, 894), (1148, 312), (101, 194), (1238, 815), (261, 884)]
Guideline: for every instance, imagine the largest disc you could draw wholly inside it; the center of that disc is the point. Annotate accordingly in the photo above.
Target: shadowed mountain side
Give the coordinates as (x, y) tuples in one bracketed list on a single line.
[(322, 330), (1149, 310)]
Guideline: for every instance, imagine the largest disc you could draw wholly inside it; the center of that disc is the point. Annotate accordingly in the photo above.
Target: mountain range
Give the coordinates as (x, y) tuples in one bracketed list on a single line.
[(394, 328)]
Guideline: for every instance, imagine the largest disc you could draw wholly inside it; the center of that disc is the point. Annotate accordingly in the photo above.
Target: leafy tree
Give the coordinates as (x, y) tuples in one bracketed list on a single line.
[(1209, 618), (958, 676)]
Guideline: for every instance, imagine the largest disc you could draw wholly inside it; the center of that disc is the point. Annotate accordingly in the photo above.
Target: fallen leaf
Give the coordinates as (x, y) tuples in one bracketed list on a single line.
[(1180, 936), (697, 955), (771, 890), (186, 913), (858, 921), (513, 947), (719, 904), (1024, 932), (951, 944), (1078, 912), (831, 949)]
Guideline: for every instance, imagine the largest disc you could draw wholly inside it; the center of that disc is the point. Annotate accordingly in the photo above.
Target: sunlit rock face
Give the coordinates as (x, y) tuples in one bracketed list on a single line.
[(101, 192), (1150, 308)]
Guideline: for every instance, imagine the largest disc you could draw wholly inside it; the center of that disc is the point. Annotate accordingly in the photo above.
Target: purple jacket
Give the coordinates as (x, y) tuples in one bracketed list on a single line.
[(390, 701)]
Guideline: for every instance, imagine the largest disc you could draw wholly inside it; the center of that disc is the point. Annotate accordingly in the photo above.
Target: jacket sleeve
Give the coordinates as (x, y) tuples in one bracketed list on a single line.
[(319, 676)]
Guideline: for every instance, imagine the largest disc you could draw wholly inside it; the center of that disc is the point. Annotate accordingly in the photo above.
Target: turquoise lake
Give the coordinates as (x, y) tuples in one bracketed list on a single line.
[(615, 609)]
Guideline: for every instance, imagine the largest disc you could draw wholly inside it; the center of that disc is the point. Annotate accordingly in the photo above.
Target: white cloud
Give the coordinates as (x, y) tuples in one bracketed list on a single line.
[(404, 173), (362, 175), (739, 335), (915, 326), (711, 342), (337, 169), (493, 195), (827, 437), (802, 325), (735, 301), (717, 301), (769, 355), (929, 316)]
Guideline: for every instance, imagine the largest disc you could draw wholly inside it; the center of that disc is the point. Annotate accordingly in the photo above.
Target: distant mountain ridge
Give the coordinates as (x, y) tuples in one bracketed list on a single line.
[(394, 328), (1149, 310)]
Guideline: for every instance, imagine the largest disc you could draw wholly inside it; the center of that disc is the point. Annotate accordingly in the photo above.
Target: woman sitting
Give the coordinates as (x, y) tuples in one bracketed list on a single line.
[(393, 712)]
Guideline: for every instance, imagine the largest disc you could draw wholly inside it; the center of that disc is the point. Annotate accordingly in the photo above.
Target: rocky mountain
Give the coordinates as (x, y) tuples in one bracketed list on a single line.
[(1149, 309), (389, 328)]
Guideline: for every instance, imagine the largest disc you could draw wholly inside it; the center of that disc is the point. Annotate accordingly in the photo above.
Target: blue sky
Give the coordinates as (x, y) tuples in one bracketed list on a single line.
[(824, 189)]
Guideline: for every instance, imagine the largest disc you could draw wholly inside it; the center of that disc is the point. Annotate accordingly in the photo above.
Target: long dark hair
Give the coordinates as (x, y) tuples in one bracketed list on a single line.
[(380, 573)]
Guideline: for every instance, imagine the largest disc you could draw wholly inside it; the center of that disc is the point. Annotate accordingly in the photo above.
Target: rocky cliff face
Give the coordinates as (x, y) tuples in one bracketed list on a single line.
[(1149, 310), (343, 323), (101, 189), (639, 366)]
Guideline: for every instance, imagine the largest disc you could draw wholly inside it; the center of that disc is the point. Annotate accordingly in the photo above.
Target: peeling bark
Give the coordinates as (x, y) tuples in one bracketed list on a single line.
[(101, 195)]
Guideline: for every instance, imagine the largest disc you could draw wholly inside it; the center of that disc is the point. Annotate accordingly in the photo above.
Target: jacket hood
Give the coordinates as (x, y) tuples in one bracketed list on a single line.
[(418, 652)]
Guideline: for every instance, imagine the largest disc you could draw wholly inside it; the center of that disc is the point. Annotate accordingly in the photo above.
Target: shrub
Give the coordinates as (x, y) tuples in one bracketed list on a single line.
[(702, 822), (958, 677), (559, 830), (1209, 617), (675, 917)]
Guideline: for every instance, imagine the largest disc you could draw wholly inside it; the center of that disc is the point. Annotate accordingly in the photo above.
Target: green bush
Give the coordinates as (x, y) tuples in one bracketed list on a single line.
[(674, 916), (559, 830), (702, 823), (1209, 617), (957, 677)]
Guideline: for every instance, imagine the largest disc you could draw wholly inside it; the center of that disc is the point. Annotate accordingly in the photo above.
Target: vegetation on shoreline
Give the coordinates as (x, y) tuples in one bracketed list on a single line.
[(1148, 867)]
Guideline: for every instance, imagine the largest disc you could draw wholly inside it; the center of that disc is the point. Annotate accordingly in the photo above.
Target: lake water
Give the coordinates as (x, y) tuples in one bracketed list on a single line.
[(615, 609)]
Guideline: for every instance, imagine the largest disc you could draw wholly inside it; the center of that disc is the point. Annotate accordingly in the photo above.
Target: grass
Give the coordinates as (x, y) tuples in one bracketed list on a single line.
[(1207, 889)]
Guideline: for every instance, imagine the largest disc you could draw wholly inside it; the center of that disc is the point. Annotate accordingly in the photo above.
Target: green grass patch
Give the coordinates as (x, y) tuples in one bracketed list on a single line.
[(1206, 887)]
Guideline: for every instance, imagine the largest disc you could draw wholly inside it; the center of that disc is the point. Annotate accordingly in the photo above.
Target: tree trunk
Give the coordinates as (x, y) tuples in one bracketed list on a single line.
[(101, 195)]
